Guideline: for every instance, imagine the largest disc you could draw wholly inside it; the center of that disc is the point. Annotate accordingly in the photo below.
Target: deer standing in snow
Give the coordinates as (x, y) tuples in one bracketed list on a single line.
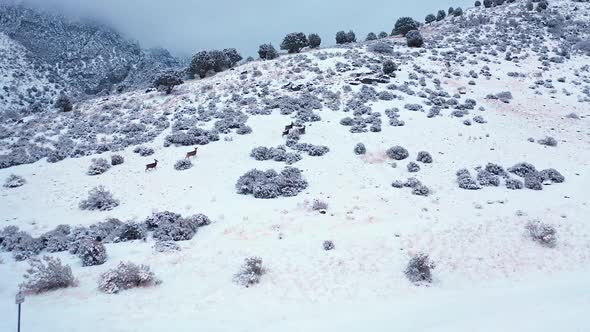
[(191, 154), (152, 165)]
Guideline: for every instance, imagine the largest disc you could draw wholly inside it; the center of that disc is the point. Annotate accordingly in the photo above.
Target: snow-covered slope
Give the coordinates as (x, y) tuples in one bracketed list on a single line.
[(489, 274)]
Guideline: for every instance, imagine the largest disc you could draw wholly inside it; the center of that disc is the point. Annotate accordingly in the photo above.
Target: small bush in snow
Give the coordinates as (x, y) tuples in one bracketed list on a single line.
[(389, 67), (514, 184), (542, 233), (117, 159), (413, 167), (199, 220), (125, 276), (166, 246), (414, 39), (250, 272), (183, 164), (552, 175), (99, 199), (130, 231), (92, 253), (466, 181), (424, 157), (328, 245), (523, 169), (98, 166), (397, 153), (14, 181), (381, 47), (533, 181), (548, 141), (421, 190), (57, 240), (486, 178), (319, 205), (360, 149), (180, 230), (495, 169), (270, 184), (419, 269), (160, 218), (47, 274), (143, 151)]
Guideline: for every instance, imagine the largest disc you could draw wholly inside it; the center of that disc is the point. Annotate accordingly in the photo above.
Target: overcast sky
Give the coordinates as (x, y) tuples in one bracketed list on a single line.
[(186, 26)]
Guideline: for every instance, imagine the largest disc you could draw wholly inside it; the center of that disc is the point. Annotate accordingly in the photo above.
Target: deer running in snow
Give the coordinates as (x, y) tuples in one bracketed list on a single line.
[(152, 165)]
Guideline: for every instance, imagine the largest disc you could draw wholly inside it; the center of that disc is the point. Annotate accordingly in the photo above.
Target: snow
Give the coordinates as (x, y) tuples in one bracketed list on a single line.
[(489, 276)]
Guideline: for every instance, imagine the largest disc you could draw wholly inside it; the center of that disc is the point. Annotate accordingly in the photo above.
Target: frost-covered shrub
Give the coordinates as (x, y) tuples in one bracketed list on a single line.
[(125, 276), (412, 183), (92, 253), (159, 218), (98, 166), (130, 231), (360, 149), (270, 184), (495, 169), (14, 181), (533, 181), (389, 67), (514, 184), (261, 153), (542, 233), (199, 220), (250, 272), (430, 18), (404, 25), (486, 179), (166, 246), (397, 184), (99, 199), (397, 153), (345, 37), (117, 159), (421, 190), (22, 245), (180, 230), (419, 269), (106, 231), (414, 39), (317, 150), (143, 151), (424, 157), (47, 274), (523, 169), (548, 140), (57, 240), (381, 47), (466, 181), (552, 175), (479, 119), (328, 245), (371, 36), (183, 164), (319, 205), (244, 130), (413, 167), (167, 81)]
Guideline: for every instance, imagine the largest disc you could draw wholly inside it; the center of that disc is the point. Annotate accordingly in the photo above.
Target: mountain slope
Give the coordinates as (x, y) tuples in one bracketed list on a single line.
[(461, 98), (82, 58)]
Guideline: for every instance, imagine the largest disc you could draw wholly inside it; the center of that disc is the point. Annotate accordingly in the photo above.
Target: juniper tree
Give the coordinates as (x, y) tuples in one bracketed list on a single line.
[(441, 15), (167, 81), (314, 40), (233, 56), (430, 18), (267, 52), (371, 36), (294, 42), (405, 25)]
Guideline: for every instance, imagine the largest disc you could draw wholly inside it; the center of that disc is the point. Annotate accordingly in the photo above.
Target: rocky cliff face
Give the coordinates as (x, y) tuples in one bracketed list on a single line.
[(81, 58)]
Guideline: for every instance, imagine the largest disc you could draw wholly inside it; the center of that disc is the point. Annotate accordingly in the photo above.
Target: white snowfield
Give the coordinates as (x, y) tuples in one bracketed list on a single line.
[(489, 275)]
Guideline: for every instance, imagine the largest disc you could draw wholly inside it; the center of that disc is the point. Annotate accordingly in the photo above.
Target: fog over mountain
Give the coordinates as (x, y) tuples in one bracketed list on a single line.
[(185, 26)]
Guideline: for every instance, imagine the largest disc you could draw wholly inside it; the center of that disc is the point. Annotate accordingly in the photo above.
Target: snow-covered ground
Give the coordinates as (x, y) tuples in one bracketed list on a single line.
[(489, 275)]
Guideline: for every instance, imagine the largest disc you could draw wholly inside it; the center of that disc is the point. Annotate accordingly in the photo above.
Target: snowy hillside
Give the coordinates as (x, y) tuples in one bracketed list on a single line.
[(490, 90)]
